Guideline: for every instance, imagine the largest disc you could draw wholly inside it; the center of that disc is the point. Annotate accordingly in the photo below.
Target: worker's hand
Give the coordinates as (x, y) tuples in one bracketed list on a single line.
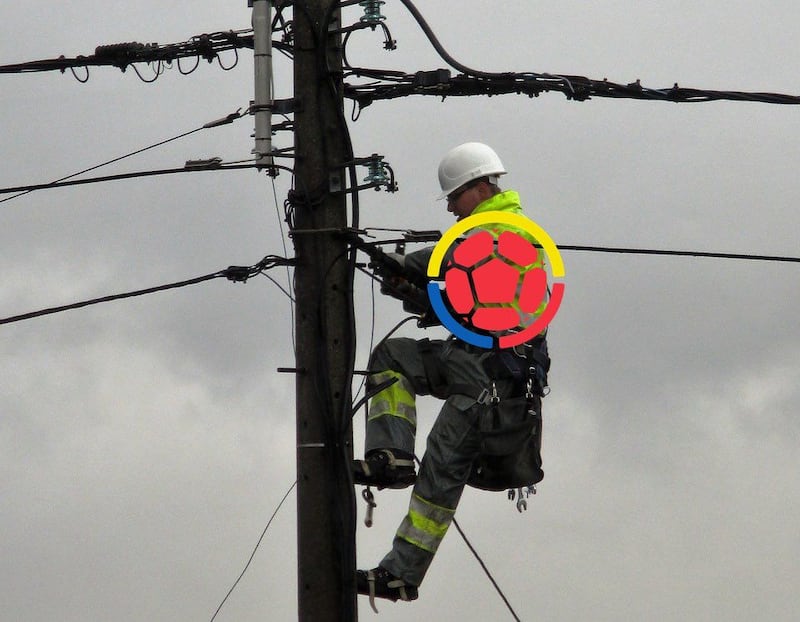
[(390, 265), (395, 286)]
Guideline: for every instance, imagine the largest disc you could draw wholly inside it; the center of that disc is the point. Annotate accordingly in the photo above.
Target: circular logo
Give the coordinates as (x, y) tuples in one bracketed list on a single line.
[(494, 280)]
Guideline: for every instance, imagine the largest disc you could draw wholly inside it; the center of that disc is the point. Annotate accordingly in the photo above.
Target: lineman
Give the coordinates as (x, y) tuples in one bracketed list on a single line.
[(462, 375)]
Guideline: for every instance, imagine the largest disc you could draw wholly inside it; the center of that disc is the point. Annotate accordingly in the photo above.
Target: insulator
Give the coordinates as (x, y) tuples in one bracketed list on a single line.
[(372, 11), (376, 172)]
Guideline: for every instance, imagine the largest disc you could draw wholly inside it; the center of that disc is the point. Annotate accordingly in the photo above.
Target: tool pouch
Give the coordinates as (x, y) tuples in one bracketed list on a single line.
[(511, 441)]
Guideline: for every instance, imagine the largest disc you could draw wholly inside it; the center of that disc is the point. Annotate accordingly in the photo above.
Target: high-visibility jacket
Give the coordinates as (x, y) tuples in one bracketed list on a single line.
[(504, 202)]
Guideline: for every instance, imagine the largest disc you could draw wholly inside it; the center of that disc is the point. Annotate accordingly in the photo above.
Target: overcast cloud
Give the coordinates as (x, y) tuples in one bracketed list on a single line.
[(145, 443)]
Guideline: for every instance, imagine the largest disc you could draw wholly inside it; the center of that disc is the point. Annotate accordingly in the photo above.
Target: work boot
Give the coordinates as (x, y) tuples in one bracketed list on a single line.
[(380, 583), (385, 468)]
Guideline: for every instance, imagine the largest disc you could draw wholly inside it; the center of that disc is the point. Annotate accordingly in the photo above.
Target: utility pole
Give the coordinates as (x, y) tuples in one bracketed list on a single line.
[(323, 285)]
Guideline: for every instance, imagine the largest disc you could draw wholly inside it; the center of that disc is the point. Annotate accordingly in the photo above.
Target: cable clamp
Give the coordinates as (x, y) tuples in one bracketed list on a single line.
[(225, 120)]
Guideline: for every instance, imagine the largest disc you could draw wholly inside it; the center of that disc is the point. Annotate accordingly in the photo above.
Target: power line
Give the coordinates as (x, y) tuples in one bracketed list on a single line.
[(433, 236), (653, 251), (207, 165), (485, 569), (233, 273), (474, 552), (124, 55), (253, 554), (216, 123), (392, 84)]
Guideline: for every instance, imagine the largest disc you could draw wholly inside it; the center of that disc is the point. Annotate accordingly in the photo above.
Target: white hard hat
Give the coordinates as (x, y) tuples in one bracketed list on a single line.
[(466, 162)]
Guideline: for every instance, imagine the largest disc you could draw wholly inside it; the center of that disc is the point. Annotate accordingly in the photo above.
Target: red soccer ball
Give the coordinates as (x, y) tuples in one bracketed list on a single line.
[(493, 282)]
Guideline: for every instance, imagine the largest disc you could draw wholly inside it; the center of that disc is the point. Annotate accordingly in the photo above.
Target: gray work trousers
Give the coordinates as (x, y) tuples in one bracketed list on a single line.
[(452, 445)]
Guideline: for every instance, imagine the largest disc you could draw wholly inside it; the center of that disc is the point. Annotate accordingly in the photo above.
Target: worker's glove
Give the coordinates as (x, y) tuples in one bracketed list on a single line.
[(398, 258), (388, 265)]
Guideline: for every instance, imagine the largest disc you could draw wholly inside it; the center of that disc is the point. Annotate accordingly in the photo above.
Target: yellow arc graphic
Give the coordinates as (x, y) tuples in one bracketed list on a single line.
[(515, 220)]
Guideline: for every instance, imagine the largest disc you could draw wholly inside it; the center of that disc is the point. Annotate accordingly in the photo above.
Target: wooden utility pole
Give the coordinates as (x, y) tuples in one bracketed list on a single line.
[(323, 285)]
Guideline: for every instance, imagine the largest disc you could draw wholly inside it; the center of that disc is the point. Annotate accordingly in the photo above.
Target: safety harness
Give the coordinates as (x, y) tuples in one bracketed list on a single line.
[(525, 365), (510, 426)]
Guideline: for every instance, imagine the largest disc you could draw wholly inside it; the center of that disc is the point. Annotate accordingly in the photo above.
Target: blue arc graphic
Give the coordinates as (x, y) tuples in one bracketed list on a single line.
[(451, 324)]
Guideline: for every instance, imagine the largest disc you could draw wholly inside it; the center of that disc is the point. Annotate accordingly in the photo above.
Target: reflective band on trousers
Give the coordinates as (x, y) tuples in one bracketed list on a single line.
[(425, 524), (397, 400)]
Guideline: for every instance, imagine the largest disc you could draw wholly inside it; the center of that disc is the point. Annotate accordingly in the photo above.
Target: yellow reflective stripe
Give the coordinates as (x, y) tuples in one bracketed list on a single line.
[(425, 524), (397, 400), (409, 413), (437, 513)]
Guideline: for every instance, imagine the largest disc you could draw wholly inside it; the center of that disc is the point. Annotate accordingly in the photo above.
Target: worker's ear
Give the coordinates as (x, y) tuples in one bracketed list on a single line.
[(485, 190)]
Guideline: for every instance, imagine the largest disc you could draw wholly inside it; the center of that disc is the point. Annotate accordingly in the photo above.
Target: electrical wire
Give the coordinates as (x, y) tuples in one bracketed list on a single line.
[(253, 554), (630, 251), (233, 273), (391, 84), (475, 553), (653, 251), (134, 175), (124, 55), (288, 272), (497, 587), (223, 121)]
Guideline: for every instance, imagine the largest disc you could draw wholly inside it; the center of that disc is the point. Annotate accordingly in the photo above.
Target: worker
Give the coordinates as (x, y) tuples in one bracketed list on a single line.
[(450, 369)]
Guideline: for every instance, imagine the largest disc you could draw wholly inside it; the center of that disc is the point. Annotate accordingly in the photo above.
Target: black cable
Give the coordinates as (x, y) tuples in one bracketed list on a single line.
[(476, 82), (95, 180), (485, 569), (224, 121), (253, 554), (478, 557), (123, 55), (439, 47), (238, 274), (94, 301), (652, 251), (635, 251)]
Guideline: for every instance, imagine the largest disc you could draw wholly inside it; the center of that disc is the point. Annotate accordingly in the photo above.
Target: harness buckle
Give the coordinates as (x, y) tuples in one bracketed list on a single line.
[(486, 396)]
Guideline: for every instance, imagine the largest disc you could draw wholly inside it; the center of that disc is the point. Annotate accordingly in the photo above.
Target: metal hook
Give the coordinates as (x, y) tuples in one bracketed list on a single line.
[(367, 495)]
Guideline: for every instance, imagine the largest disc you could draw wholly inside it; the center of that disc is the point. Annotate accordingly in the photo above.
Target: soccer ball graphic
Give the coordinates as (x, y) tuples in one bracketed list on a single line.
[(494, 281)]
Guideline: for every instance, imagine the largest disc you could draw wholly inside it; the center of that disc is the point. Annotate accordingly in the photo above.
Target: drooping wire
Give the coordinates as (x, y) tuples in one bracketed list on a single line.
[(288, 271), (371, 336), (394, 329), (123, 55), (474, 552), (497, 587), (233, 273), (224, 121), (157, 71), (253, 554)]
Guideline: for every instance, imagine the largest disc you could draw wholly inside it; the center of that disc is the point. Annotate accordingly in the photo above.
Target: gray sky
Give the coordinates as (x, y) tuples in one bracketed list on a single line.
[(145, 443)]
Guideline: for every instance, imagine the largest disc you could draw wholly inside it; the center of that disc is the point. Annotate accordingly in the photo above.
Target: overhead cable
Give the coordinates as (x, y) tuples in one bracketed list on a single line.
[(653, 251), (253, 554), (486, 570), (440, 82), (124, 55), (239, 274), (206, 165), (216, 123), (433, 236)]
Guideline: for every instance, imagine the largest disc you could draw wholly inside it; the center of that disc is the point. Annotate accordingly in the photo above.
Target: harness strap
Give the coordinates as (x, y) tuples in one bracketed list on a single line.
[(478, 394), (437, 383)]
